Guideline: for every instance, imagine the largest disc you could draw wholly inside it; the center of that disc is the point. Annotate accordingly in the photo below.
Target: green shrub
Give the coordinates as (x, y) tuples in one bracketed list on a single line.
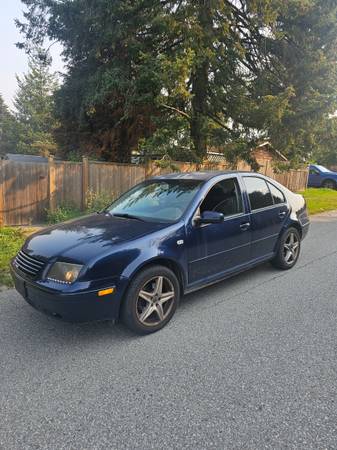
[(63, 213), (95, 202), (98, 201), (166, 163)]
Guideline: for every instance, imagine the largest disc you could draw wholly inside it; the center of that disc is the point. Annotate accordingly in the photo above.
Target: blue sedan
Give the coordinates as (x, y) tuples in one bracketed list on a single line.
[(320, 176), (167, 236)]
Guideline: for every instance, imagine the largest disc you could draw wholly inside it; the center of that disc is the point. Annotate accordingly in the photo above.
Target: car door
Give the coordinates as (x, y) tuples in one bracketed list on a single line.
[(215, 249), (314, 179), (269, 210)]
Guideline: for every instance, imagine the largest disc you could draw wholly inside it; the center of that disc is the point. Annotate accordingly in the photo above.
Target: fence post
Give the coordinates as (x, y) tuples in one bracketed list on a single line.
[(148, 164), (85, 181), (266, 167), (52, 183), (306, 178)]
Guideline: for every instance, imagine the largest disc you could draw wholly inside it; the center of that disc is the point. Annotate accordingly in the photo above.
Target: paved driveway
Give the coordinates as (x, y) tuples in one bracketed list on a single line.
[(247, 364)]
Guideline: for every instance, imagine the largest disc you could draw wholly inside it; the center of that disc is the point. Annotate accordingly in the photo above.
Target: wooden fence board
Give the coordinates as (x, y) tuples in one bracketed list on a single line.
[(25, 187), (114, 179), (25, 192), (68, 180)]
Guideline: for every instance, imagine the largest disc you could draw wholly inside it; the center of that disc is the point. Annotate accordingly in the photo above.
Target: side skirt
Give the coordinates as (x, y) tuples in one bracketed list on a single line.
[(224, 276)]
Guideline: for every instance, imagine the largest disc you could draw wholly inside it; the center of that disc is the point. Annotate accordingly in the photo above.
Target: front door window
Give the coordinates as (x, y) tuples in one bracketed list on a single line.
[(224, 197)]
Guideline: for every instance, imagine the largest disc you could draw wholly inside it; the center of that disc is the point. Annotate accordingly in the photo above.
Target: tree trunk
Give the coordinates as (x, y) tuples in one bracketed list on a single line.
[(116, 146), (199, 104), (198, 124)]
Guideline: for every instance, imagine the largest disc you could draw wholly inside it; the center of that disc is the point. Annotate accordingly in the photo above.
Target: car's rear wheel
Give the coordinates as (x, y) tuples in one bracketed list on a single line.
[(288, 249), (329, 184), (151, 300)]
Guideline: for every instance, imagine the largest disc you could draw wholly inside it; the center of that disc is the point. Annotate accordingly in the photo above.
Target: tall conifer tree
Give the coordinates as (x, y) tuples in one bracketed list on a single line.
[(34, 107), (194, 74)]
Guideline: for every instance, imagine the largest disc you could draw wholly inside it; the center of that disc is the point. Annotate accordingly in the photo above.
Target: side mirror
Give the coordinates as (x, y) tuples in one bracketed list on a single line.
[(210, 217)]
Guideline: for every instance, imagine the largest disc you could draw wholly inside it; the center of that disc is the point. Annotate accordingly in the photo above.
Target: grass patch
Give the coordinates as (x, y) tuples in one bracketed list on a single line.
[(320, 200), (11, 240)]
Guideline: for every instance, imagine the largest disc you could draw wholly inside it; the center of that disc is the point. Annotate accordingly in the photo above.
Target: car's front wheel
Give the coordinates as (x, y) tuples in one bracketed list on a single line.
[(288, 249), (151, 300)]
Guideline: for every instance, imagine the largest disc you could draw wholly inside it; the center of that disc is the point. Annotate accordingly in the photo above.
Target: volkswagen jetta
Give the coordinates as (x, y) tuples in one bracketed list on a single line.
[(167, 236)]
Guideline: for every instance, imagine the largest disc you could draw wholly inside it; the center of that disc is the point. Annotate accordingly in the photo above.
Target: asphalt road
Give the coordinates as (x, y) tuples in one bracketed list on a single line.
[(249, 363)]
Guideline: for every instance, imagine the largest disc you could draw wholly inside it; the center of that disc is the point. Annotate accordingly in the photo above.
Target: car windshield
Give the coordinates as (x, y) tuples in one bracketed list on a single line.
[(159, 200), (323, 169)]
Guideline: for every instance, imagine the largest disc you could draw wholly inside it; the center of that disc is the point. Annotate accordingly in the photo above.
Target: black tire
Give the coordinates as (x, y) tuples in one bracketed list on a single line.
[(329, 184), (287, 254), (135, 307)]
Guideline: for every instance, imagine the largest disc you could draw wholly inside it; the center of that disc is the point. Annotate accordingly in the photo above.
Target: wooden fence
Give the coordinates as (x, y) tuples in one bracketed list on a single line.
[(28, 190)]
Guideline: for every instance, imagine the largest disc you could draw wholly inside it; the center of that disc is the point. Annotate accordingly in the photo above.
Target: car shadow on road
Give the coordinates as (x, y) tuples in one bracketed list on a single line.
[(37, 327), (230, 286)]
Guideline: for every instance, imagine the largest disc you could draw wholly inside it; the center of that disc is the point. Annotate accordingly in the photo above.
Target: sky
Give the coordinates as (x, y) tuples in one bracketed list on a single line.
[(13, 60)]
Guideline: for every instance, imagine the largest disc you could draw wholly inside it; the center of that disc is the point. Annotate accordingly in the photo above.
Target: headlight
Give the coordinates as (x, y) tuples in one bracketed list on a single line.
[(64, 272)]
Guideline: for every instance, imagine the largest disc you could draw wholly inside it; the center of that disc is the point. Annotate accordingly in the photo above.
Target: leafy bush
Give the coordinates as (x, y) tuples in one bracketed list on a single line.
[(167, 164), (63, 213), (98, 201), (74, 156), (95, 202)]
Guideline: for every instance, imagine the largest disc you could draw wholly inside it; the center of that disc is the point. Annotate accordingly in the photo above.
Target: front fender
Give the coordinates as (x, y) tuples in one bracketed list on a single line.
[(129, 257), (170, 249)]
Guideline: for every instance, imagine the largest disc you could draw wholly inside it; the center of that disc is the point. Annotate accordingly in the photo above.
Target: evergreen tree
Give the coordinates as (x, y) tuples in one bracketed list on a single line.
[(34, 107), (8, 130), (302, 45), (325, 149), (192, 73)]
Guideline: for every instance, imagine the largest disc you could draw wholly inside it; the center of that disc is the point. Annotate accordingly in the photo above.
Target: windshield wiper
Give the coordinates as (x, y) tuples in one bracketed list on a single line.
[(128, 216)]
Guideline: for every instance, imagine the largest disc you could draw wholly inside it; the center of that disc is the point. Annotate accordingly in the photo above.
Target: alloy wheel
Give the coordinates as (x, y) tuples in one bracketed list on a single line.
[(155, 301), (291, 248)]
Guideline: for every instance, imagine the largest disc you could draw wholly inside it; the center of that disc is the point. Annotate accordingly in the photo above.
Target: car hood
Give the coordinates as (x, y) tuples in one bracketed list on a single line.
[(84, 238)]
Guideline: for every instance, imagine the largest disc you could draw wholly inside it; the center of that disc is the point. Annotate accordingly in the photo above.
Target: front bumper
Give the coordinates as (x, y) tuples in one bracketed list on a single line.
[(72, 307)]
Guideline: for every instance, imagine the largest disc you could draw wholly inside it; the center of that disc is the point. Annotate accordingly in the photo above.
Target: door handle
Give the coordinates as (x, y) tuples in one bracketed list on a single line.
[(282, 214), (245, 226)]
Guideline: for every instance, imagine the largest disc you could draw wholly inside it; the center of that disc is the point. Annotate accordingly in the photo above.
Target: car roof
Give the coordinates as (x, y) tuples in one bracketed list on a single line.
[(202, 175)]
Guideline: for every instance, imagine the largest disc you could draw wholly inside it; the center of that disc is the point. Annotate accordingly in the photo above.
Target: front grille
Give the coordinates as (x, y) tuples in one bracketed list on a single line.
[(29, 265)]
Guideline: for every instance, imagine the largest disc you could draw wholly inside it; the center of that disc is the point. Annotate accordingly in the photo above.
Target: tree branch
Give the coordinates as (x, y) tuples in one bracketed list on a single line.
[(182, 113)]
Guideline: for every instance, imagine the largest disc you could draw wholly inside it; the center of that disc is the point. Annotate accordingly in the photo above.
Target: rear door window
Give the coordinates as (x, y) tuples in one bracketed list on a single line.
[(277, 195), (258, 192)]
